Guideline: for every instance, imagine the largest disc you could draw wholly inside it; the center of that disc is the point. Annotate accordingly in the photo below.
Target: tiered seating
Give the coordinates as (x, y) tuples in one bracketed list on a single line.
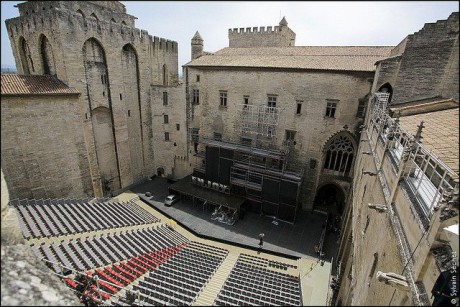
[(255, 285), (56, 217), (262, 262), (95, 252), (179, 279)]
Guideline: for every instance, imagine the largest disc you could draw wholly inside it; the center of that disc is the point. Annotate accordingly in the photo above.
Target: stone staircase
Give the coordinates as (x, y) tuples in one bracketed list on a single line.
[(209, 294)]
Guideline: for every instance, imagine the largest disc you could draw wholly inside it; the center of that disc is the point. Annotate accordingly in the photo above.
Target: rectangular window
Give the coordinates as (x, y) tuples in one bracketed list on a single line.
[(290, 137), (245, 102), (299, 107), (121, 97), (218, 136), (361, 109), (129, 113), (194, 133), (196, 96), (165, 98), (331, 106), (177, 127), (197, 78), (223, 98), (272, 101), (166, 136), (246, 141), (166, 119)]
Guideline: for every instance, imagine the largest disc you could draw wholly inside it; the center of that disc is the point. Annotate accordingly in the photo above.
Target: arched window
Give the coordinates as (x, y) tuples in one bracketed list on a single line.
[(123, 23), (26, 57), (94, 16), (97, 20), (80, 13), (339, 155), (165, 75), (47, 56)]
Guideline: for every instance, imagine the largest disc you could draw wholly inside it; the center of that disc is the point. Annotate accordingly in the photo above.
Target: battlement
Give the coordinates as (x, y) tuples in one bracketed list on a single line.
[(48, 19), (250, 30), (277, 36), (441, 27), (101, 10)]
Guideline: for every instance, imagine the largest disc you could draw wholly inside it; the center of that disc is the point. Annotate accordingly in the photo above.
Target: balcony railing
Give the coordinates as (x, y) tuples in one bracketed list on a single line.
[(424, 173)]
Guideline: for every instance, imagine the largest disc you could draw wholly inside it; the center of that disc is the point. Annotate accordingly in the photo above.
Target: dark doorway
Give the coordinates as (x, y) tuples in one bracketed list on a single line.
[(160, 171), (330, 198)]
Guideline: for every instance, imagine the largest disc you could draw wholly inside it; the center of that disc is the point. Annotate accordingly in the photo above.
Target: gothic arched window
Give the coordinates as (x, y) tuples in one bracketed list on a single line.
[(339, 155), (26, 57), (49, 67)]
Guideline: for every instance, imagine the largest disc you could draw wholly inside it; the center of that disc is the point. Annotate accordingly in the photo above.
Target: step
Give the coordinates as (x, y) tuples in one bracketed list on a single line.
[(209, 294)]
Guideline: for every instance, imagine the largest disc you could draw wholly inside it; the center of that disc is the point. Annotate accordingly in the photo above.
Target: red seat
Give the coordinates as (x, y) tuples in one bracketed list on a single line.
[(71, 283)]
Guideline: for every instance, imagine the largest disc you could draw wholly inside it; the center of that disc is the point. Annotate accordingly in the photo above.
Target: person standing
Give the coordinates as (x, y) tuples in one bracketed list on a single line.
[(261, 242)]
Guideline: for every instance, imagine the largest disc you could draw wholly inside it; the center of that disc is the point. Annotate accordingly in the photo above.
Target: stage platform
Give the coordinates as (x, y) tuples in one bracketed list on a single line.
[(291, 240)]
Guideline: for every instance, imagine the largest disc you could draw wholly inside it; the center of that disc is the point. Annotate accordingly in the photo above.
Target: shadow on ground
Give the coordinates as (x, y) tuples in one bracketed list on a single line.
[(298, 239)]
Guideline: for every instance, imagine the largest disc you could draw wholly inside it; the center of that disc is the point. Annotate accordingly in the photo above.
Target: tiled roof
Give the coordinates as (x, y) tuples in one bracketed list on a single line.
[(311, 57), (12, 84), (440, 134)]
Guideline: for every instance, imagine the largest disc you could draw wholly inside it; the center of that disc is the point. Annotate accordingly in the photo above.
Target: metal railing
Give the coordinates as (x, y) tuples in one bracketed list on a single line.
[(426, 175)]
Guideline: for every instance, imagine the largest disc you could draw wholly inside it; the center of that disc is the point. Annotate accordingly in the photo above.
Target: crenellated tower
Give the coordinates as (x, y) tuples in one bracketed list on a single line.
[(278, 36), (95, 47)]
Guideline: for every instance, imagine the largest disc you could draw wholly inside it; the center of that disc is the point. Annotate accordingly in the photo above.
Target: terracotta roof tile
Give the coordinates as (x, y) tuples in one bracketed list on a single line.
[(440, 134), (12, 84), (306, 57)]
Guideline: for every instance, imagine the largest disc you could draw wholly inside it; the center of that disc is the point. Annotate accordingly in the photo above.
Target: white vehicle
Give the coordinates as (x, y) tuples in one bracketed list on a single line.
[(171, 200)]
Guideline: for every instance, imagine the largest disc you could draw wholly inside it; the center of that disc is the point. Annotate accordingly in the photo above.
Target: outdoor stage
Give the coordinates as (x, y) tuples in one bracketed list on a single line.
[(292, 240)]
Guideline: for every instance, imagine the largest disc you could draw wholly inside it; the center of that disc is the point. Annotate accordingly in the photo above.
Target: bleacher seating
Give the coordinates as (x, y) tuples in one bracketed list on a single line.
[(95, 252), (253, 284), (165, 267), (179, 280), (58, 217)]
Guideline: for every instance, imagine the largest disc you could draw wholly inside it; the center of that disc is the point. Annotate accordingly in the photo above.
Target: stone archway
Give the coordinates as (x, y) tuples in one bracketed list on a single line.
[(330, 198)]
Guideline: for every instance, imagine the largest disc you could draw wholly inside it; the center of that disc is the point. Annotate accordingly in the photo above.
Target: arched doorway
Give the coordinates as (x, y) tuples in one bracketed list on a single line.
[(330, 198), (387, 88)]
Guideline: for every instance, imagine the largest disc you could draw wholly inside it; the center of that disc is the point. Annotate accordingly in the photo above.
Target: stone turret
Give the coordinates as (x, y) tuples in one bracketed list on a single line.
[(197, 46)]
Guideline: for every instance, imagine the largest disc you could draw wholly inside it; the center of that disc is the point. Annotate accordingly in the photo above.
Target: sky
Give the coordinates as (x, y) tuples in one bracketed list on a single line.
[(359, 23)]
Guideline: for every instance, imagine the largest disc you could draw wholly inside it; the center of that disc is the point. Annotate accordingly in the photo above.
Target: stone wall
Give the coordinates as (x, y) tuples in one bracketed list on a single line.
[(43, 147), (170, 155), (428, 65), (311, 89)]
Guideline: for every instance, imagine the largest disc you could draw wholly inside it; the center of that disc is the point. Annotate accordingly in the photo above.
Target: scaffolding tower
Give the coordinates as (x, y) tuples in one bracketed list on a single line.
[(258, 123)]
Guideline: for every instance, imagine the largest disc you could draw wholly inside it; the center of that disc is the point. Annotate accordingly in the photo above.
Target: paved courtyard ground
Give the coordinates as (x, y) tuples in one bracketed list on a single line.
[(298, 239)]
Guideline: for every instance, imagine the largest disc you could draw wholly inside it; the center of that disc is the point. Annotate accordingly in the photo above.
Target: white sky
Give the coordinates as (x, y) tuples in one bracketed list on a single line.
[(341, 23)]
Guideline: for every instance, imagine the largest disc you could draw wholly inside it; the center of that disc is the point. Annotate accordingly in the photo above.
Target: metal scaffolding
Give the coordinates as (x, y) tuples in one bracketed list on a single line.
[(258, 123)]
